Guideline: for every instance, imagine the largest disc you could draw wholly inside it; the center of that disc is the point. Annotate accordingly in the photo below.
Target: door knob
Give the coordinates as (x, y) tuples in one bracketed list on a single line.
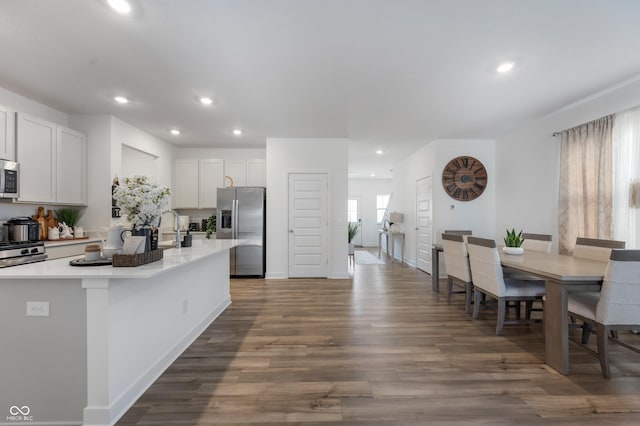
[(291, 231)]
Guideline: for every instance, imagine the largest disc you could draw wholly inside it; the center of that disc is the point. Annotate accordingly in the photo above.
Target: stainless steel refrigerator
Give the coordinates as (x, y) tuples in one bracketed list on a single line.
[(241, 215)]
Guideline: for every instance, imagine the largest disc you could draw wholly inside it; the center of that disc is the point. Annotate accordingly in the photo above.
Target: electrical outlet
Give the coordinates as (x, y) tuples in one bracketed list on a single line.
[(37, 309)]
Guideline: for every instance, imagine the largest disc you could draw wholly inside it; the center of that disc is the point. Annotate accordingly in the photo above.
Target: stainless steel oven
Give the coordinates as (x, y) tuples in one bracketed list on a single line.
[(9, 179)]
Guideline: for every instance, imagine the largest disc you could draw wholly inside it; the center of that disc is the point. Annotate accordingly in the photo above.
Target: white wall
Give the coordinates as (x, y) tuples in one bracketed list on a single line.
[(286, 156), (477, 215), (528, 161), (367, 190), (106, 136)]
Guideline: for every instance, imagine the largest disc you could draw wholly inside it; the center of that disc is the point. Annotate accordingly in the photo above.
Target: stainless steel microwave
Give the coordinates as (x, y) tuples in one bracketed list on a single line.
[(9, 179)]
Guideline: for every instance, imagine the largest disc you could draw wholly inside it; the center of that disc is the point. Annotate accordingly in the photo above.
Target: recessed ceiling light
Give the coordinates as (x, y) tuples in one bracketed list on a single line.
[(373, 175), (505, 67), (237, 132), (175, 132), (121, 100), (120, 6), (206, 101), (379, 152)]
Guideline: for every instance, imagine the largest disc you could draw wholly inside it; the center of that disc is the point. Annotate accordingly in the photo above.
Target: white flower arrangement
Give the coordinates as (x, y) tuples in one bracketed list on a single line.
[(142, 200)]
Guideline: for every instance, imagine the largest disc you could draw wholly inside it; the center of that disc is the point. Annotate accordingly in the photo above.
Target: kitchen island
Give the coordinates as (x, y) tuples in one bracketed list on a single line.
[(81, 344)]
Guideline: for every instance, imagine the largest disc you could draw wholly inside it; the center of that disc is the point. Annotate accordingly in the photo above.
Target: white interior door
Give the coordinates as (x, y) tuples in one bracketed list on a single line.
[(423, 224), (355, 216), (308, 225)]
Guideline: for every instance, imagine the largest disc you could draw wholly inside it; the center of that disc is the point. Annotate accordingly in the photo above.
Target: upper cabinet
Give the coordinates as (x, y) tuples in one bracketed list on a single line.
[(53, 162), (71, 167), (7, 134), (196, 183), (246, 172), (211, 178)]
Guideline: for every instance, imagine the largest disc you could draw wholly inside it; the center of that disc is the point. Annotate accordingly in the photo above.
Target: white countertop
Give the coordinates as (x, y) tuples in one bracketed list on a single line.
[(172, 258)]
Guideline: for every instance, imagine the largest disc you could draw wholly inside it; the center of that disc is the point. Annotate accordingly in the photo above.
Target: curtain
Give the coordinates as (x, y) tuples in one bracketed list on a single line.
[(626, 177), (585, 199)]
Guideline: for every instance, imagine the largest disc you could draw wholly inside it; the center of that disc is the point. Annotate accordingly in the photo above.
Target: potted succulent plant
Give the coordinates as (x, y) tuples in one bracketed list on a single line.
[(513, 242), (353, 231)]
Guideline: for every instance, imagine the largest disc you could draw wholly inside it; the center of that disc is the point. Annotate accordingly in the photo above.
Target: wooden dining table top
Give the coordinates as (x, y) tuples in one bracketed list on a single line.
[(555, 266)]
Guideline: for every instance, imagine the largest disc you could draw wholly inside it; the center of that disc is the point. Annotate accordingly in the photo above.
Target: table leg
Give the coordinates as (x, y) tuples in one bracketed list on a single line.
[(379, 244), (435, 270), (393, 247), (556, 327)]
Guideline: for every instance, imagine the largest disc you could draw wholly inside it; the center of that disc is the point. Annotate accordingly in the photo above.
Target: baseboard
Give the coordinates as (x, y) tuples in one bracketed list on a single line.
[(339, 276), (95, 416), (275, 276)]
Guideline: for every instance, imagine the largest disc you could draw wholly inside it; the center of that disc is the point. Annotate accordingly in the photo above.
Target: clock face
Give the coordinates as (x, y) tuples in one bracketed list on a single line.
[(464, 178)]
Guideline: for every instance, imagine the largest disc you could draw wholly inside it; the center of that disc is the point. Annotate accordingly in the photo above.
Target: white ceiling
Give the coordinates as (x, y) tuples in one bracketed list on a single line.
[(387, 74)]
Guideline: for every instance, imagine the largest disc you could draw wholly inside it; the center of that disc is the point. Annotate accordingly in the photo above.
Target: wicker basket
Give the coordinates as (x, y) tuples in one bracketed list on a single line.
[(137, 259)]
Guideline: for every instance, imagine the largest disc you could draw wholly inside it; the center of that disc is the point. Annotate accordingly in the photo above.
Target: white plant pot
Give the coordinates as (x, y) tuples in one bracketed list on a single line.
[(512, 250), (352, 247)]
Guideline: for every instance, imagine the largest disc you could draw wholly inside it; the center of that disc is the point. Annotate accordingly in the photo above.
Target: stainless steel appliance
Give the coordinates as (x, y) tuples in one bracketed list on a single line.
[(19, 252), (23, 229), (241, 215), (9, 184)]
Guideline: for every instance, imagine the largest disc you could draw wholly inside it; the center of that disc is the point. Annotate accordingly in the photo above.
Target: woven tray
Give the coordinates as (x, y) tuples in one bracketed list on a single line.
[(136, 259)]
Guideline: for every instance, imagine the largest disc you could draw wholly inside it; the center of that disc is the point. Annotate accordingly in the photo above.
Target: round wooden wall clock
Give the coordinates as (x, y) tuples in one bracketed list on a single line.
[(464, 178)]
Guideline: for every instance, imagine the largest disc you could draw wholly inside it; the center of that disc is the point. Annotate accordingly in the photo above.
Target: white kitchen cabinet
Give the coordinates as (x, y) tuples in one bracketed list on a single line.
[(197, 183), (237, 171), (36, 153), (7, 134), (186, 184), (53, 162), (246, 172), (257, 172), (210, 179), (71, 167)]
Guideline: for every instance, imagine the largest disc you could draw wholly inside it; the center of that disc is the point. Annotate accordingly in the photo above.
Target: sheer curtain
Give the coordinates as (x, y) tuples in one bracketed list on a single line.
[(626, 177), (585, 201)]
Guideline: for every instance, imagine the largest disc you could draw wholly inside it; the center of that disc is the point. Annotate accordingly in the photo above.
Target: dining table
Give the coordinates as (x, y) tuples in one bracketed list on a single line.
[(562, 274)]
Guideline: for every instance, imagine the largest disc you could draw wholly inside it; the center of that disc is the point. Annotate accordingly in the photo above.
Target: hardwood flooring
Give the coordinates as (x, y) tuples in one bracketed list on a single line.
[(380, 349)]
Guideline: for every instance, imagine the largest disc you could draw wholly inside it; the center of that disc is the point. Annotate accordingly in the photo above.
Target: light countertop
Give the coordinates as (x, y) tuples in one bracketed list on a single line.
[(172, 258)]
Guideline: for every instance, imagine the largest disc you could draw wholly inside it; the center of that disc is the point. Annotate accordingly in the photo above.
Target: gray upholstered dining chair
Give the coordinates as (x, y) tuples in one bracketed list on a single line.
[(596, 249), (537, 242), (456, 261), (615, 307), (488, 279)]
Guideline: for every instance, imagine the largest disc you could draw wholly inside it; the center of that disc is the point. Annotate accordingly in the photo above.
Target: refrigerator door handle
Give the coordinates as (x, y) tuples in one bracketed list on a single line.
[(235, 218)]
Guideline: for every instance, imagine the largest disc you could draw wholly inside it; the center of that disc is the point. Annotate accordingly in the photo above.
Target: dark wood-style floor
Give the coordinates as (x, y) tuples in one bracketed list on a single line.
[(381, 349)]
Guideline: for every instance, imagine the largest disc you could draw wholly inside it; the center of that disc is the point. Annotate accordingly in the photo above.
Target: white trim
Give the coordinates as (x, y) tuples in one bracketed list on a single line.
[(276, 276)]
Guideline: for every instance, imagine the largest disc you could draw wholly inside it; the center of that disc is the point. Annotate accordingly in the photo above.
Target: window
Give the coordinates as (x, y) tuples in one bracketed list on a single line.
[(381, 206), (352, 210)]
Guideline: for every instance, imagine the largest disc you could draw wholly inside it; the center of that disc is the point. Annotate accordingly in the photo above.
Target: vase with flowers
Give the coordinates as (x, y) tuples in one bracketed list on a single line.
[(143, 201)]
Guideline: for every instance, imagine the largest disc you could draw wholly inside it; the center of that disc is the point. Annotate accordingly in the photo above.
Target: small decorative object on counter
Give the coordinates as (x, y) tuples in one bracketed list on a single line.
[(68, 219), (92, 252), (42, 220), (115, 210), (211, 226)]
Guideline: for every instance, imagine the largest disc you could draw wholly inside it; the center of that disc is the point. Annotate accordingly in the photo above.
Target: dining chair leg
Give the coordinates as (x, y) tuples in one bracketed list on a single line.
[(517, 306), (449, 289), (528, 309), (468, 296), (477, 295), (602, 332), (586, 332), (502, 311)]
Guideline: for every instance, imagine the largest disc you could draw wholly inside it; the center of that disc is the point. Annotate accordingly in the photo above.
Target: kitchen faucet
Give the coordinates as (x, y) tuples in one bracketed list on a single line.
[(177, 216)]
